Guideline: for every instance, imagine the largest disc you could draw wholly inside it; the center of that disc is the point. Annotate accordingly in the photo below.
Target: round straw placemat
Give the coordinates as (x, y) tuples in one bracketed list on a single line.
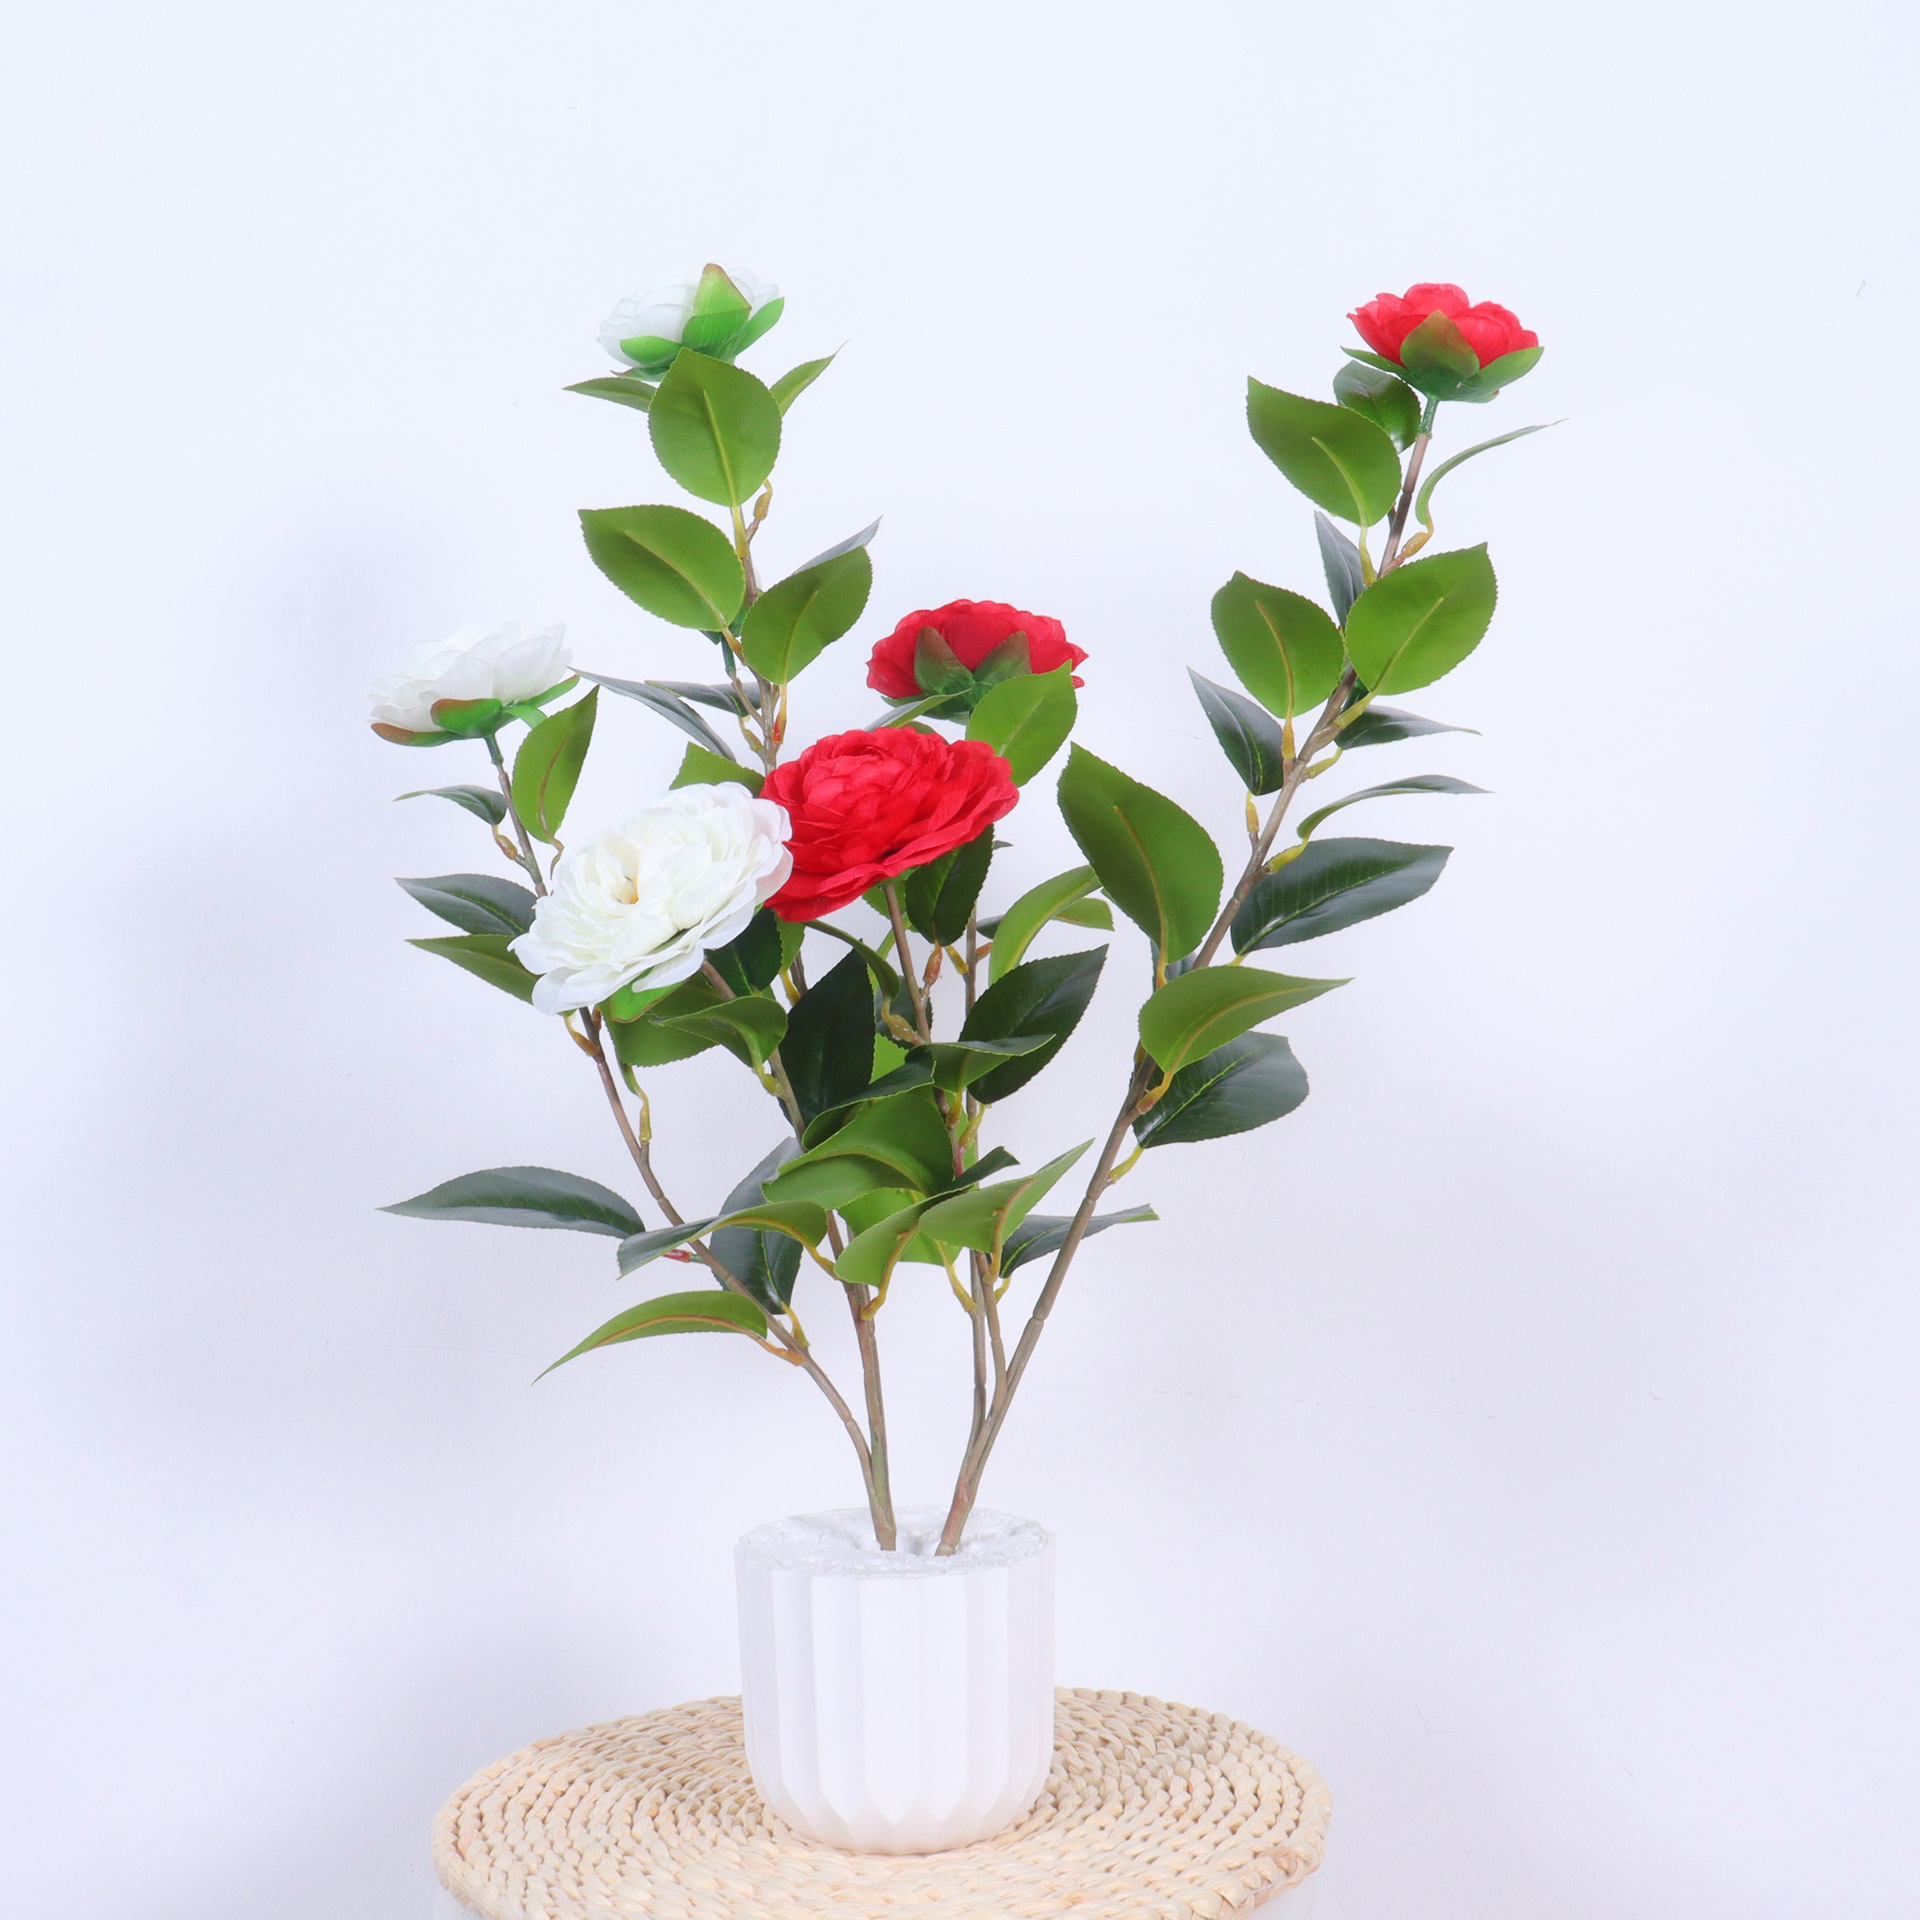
[(1151, 1812)]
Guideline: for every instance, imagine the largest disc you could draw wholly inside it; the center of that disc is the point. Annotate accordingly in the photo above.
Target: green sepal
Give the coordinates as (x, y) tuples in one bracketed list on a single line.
[(469, 719), (936, 667), (405, 737), (1383, 398)]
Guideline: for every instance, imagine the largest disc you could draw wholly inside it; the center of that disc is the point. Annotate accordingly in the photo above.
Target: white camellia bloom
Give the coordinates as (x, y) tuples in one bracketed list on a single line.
[(641, 904), (507, 663), (660, 315)]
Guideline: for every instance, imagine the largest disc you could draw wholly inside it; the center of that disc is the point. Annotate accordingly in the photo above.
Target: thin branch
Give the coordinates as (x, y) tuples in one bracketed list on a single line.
[(519, 826), (914, 997)]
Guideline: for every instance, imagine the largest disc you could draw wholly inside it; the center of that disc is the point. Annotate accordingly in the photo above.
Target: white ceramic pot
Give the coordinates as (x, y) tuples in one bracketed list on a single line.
[(897, 1702)]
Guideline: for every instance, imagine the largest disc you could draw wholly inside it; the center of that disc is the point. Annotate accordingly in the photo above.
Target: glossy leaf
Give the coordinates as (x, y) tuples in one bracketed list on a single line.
[(751, 961), (1038, 997), (901, 1073), (716, 429), (1155, 861), (748, 1026), (1383, 398), (982, 1217), (1338, 460), (717, 694), (1421, 620), (884, 975), (1333, 884), (624, 389), (1445, 467), (475, 902), (1380, 726), (1017, 928), (1041, 1234), (1340, 559), (1026, 720), (900, 1141), (955, 1065), (938, 899), (796, 380), (828, 1051), (636, 1024), (1087, 913), (798, 1220), (1247, 735), (788, 627), (766, 1264), (485, 956), (668, 704), (525, 1197), (484, 802), (669, 561), (699, 768), (1284, 647), (1245, 1084), (712, 1310), (874, 1252), (1198, 1011), (547, 767), (852, 543), (1416, 783)]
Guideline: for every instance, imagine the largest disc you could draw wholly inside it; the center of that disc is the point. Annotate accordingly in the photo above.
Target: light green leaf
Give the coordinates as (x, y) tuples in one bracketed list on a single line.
[(1382, 398), (900, 1141), (710, 1311), (982, 1217), (624, 389), (1421, 620), (1196, 1012), (1447, 466), (873, 1253), (793, 383), (669, 561), (1026, 720), (749, 1026), (1338, 460), (547, 767), (716, 429), (699, 768), (797, 618), (1284, 647), (525, 1197), (955, 1065), (1416, 783), (485, 956), (1022, 921)]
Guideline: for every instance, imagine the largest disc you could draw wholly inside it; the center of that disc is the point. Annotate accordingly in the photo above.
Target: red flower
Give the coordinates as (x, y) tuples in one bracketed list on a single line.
[(867, 806), (972, 628), (1387, 319)]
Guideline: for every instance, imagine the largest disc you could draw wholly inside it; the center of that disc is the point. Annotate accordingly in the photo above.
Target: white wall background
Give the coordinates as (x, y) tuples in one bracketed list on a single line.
[(1524, 1429)]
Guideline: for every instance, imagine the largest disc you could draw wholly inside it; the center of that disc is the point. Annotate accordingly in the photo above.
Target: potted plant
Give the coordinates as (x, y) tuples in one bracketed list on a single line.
[(827, 921)]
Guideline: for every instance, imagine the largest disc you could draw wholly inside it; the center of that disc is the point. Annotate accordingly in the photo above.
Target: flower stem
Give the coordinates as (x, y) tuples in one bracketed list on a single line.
[(519, 826)]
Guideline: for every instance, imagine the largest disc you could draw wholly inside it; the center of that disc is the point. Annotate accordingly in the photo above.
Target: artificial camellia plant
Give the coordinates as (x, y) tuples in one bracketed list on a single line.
[(698, 922)]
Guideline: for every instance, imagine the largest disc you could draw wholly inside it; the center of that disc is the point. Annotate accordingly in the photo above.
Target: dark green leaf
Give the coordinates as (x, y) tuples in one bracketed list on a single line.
[(1015, 930), (717, 694), (796, 380), (666, 702), (884, 976), (525, 1197), (1383, 398), (625, 389), (1040, 1234), (1346, 578), (795, 619), (1247, 735), (900, 1141), (1045, 996), (1198, 1011), (749, 963), (482, 801), (1283, 646), (475, 902), (1233, 1089), (1155, 861), (716, 429), (1417, 783), (547, 767), (699, 768), (938, 899), (712, 1310), (828, 1051), (1380, 726), (981, 1217), (766, 1264), (1447, 466), (484, 955), (798, 1220), (1332, 884), (1338, 460), (1026, 720), (670, 561), (1421, 620)]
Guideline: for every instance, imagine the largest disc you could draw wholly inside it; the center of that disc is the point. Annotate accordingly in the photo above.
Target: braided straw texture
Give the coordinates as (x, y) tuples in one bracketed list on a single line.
[(1152, 1812)]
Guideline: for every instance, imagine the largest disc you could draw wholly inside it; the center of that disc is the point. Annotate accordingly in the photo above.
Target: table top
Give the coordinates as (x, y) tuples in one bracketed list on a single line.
[(1152, 1812)]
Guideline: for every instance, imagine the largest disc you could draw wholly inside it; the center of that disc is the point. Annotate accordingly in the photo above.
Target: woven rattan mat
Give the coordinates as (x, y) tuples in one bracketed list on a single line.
[(1152, 1812)]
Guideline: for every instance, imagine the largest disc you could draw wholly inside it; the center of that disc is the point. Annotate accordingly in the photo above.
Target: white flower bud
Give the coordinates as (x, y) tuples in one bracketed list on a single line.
[(506, 663)]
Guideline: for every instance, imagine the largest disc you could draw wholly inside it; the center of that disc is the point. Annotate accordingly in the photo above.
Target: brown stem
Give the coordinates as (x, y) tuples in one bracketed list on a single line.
[(1398, 524), (519, 826), (915, 998)]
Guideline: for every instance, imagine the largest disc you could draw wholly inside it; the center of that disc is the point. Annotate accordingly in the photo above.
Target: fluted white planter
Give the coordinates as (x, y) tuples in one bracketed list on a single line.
[(897, 1702)]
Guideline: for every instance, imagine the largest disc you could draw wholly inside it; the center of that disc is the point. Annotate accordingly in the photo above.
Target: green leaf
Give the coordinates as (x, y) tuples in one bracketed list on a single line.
[(798, 617), (798, 1220), (749, 962), (863, 538), (1245, 1084), (911, 1071), (484, 955), (766, 1264), (793, 383), (1383, 398), (1380, 726), (699, 768), (1247, 735), (484, 802), (475, 902), (525, 1197), (716, 694), (1196, 1012), (900, 1141), (1155, 861), (1436, 356), (1447, 466), (939, 706), (547, 767), (1026, 720), (1496, 374), (712, 1310), (938, 899), (1087, 913), (828, 1051), (1043, 1233), (666, 702), (636, 1024), (1421, 620), (1338, 460), (1018, 926), (1416, 783), (1333, 884), (954, 1065), (982, 1217), (623, 388), (716, 429), (1044, 997), (884, 975), (1346, 577), (748, 1026), (669, 561), (1283, 646), (874, 1252)]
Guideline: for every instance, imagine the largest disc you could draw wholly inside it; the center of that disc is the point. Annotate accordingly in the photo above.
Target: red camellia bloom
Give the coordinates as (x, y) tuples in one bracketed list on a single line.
[(972, 628), (867, 806), (1387, 319)]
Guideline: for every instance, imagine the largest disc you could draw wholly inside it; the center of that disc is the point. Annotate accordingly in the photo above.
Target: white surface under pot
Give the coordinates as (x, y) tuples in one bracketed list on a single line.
[(897, 1702)]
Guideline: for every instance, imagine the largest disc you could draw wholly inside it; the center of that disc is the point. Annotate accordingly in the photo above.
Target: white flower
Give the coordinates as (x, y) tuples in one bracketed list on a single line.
[(662, 313), (506, 663), (641, 904)]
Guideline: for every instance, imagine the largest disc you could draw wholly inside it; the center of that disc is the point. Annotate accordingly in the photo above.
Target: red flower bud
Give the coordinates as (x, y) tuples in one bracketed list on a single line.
[(1490, 331), (867, 806), (972, 628)]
